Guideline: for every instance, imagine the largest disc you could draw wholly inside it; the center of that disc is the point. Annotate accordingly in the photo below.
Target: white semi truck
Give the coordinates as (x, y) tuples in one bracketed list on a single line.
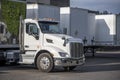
[(42, 43)]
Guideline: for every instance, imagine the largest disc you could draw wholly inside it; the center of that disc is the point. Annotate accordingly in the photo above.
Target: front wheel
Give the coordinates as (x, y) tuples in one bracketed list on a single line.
[(45, 62)]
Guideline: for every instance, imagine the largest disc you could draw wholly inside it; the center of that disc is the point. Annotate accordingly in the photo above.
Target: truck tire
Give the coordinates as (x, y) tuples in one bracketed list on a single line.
[(45, 62), (69, 68)]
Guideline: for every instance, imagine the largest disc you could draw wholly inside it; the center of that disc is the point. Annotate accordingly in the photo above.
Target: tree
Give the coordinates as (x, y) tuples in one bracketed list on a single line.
[(10, 14)]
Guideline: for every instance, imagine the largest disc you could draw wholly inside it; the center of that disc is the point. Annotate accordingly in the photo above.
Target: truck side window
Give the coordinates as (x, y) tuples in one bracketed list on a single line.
[(31, 28)]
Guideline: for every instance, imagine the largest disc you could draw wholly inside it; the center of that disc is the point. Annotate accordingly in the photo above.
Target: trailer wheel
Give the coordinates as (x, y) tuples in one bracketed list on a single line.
[(69, 68), (45, 62)]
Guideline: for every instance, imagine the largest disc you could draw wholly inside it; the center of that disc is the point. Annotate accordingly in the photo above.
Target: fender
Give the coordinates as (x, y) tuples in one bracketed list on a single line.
[(50, 49), (53, 51)]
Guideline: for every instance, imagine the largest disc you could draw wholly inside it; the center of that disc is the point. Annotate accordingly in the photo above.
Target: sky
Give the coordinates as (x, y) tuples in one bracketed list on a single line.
[(112, 6)]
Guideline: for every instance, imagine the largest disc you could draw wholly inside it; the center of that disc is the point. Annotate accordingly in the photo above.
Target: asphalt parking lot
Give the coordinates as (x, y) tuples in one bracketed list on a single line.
[(104, 66)]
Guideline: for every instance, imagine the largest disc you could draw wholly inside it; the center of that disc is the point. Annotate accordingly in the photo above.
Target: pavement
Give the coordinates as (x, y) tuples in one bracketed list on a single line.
[(104, 66)]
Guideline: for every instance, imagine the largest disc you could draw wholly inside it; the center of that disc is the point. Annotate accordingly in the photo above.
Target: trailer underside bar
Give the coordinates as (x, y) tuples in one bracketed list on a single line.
[(94, 48)]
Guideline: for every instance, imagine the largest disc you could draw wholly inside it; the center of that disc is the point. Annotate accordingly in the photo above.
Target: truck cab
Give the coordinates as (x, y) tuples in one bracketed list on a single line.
[(43, 44)]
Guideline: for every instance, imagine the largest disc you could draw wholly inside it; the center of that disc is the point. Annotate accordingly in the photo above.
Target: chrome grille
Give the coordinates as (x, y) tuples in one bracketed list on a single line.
[(76, 50)]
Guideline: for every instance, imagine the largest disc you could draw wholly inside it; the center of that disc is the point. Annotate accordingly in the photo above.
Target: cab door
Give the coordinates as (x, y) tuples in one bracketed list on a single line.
[(31, 42), (31, 36)]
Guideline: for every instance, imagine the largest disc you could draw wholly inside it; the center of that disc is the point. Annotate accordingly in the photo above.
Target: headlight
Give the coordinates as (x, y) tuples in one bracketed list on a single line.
[(63, 54)]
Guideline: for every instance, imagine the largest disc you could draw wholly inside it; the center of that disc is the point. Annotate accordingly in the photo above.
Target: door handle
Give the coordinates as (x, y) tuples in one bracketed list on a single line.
[(26, 46)]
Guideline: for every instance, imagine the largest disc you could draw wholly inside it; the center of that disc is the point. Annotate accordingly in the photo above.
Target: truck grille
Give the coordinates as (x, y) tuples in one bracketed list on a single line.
[(76, 50)]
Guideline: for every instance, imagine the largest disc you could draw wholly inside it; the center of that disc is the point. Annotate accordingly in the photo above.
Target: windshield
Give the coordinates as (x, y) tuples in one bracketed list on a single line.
[(50, 27)]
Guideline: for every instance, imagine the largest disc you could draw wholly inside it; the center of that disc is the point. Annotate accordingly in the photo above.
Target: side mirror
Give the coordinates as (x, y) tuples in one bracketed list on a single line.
[(37, 37), (63, 38)]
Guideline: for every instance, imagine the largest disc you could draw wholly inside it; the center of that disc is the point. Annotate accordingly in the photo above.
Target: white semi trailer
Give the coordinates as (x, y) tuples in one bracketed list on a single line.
[(42, 44), (78, 22), (107, 25)]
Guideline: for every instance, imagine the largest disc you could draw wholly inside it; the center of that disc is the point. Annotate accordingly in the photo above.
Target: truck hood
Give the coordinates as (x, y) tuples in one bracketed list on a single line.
[(58, 35), (62, 37), (58, 40)]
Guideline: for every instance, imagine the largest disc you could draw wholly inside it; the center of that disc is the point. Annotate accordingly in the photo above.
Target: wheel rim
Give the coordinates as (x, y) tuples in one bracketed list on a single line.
[(44, 63)]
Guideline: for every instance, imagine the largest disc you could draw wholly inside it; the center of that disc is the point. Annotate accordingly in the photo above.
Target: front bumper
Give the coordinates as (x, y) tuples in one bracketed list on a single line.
[(69, 61)]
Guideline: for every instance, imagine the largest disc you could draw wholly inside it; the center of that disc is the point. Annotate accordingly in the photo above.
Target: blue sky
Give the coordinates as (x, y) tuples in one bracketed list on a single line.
[(100, 5)]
